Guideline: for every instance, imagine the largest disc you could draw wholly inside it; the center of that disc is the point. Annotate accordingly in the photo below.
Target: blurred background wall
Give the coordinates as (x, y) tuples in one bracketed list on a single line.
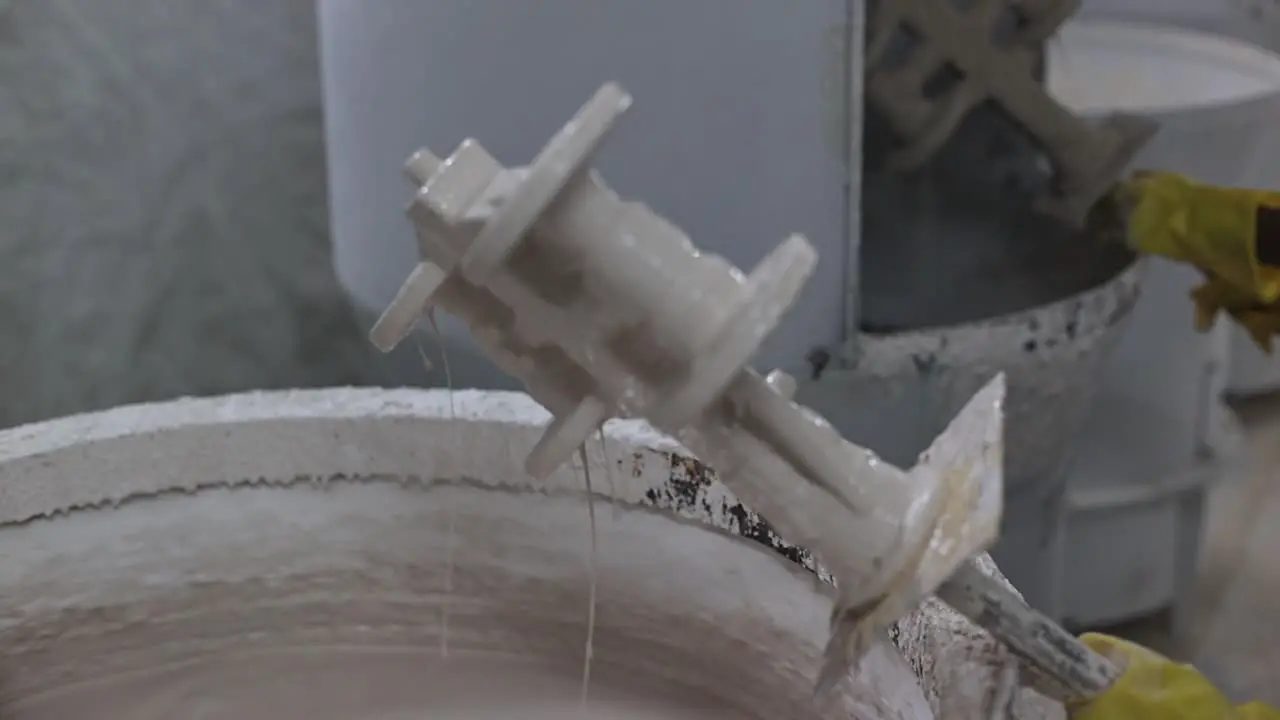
[(163, 215)]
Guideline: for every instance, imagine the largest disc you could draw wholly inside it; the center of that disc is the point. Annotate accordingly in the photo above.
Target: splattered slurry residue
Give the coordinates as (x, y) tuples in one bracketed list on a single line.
[(692, 490), (687, 493), (1049, 353), (818, 359), (925, 362)]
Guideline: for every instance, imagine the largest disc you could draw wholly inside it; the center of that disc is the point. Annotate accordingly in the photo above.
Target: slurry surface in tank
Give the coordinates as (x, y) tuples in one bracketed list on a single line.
[(321, 600), (349, 684)]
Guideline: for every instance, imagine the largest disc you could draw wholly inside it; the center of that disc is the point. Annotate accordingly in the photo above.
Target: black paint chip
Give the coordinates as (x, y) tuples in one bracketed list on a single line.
[(1267, 236)]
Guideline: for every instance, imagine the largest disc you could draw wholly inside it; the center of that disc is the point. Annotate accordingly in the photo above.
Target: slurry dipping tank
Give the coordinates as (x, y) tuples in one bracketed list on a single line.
[(362, 553)]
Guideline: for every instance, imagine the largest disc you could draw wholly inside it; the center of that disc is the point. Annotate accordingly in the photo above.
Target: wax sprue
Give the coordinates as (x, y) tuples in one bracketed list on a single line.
[(602, 308)]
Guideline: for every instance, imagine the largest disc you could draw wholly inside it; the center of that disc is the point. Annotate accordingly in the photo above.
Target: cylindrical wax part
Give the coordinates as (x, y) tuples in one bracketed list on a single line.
[(635, 258)]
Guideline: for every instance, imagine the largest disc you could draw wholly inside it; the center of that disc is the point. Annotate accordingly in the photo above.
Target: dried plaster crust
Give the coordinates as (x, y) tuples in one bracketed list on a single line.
[(92, 465)]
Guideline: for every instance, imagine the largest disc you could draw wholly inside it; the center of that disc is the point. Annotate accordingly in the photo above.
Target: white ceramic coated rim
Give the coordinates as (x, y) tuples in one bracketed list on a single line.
[(367, 430), (1129, 38)]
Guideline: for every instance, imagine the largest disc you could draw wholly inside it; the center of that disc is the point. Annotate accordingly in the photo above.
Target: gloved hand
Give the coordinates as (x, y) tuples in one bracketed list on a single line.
[(1152, 687), (1231, 234), (1262, 322)]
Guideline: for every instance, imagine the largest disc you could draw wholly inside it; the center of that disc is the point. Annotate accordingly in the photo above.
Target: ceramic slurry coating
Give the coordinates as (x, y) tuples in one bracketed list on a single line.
[(268, 554)]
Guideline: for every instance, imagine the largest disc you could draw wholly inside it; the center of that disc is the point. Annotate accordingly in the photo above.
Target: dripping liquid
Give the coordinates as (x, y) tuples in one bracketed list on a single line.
[(589, 650), (450, 511), (451, 527), (608, 473)]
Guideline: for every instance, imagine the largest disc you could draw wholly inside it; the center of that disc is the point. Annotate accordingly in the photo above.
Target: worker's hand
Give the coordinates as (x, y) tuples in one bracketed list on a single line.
[(1231, 234), (1153, 687), (1262, 322)]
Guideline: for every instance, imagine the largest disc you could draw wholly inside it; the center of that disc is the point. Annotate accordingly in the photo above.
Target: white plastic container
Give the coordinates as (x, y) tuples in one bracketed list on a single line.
[(739, 136), (1253, 21), (1250, 371), (1159, 433)]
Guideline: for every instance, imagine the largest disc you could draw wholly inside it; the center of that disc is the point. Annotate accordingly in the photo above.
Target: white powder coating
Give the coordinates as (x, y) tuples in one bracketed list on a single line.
[(272, 554)]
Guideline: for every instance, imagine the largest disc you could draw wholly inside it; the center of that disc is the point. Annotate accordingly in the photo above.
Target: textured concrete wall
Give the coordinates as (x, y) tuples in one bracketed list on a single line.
[(163, 220)]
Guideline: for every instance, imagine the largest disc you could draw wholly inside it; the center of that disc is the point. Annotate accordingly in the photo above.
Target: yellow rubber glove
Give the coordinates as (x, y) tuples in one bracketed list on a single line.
[(1262, 322), (1152, 687), (1231, 234)]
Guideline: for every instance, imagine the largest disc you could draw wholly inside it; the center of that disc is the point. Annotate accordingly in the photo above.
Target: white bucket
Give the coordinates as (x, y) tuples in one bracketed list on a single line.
[(1097, 66), (1217, 100)]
